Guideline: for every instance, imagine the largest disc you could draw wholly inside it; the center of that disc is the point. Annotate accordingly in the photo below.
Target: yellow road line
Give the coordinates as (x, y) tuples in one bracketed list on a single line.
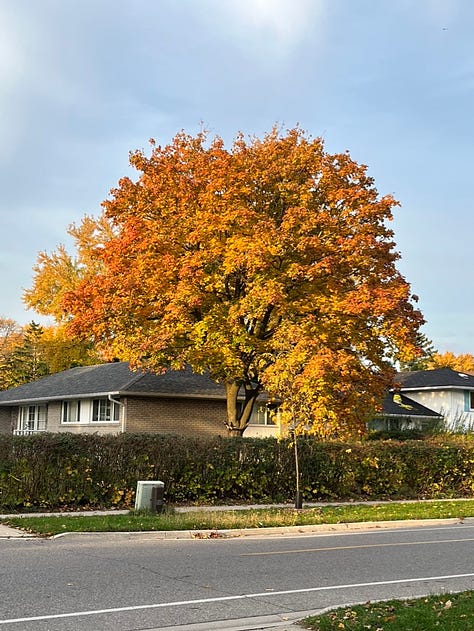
[(367, 545)]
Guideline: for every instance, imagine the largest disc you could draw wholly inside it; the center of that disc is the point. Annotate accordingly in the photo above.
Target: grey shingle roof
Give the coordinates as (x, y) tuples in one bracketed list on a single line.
[(117, 378), (114, 378), (435, 379), (396, 404)]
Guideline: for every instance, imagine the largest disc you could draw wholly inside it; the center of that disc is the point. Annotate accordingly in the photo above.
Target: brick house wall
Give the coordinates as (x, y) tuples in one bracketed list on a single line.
[(82, 428), (54, 423), (53, 416), (7, 418), (190, 417)]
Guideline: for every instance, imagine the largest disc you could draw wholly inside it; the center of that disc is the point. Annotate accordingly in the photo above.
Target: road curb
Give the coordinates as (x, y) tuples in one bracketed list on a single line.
[(273, 531)]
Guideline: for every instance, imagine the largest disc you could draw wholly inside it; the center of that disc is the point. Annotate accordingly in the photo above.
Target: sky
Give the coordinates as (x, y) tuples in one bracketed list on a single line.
[(83, 83)]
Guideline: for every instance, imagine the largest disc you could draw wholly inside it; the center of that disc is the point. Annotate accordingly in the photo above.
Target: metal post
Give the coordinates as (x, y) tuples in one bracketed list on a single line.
[(299, 495)]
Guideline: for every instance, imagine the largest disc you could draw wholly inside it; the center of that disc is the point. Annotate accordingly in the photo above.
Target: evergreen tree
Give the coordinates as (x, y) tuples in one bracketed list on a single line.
[(26, 361), (424, 361)]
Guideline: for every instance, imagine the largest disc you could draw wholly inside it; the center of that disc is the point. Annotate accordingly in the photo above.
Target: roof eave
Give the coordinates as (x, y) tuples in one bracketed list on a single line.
[(410, 416), (174, 395), (92, 395), (115, 393), (416, 388)]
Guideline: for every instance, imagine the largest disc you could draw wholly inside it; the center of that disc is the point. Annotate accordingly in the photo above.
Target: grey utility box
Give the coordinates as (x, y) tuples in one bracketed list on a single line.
[(150, 495)]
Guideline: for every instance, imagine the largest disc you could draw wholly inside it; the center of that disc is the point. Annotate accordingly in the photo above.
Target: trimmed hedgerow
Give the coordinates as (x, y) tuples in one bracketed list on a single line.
[(53, 471)]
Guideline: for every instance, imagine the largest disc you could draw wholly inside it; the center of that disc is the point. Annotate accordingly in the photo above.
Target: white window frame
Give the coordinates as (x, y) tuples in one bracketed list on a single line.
[(71, 411), (104, 410), (31, 419), (264, 414), (471, 401)]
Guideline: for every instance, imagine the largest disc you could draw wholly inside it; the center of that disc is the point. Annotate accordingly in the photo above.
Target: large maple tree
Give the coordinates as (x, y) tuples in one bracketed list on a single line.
[(269, 264)]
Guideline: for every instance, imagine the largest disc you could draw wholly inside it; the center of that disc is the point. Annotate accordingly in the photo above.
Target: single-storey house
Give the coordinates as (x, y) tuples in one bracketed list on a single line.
[(111, 398)]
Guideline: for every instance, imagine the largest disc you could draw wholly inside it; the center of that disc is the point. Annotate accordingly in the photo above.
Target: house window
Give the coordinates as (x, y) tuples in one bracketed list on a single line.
[(263, 414), (71, 412), (31, 419), (105, 411), (471, 400)]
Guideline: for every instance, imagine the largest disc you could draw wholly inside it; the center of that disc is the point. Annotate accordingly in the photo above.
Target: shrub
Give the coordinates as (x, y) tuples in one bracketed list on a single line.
[(53, 471)]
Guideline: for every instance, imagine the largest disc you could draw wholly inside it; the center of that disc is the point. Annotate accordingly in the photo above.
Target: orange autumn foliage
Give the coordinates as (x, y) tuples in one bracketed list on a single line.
[(269, 264), (464, 362), (57, 273)]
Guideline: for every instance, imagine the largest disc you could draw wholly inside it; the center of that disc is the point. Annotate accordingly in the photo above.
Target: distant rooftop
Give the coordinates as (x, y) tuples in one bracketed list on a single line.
[(395, 404), (435, 379)]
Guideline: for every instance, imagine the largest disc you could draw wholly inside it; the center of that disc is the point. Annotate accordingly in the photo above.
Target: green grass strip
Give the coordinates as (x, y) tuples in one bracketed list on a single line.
[(449, 612), (251, 518)]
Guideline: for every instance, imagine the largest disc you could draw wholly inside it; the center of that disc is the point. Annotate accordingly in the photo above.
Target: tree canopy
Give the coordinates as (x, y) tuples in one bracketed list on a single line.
[(269, 264), (425, 357), (33, 351), (58, 273), (464, 362)]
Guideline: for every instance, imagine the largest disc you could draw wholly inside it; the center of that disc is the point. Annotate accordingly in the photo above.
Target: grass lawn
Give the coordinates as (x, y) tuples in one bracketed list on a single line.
[(449, 612), (252, 518)]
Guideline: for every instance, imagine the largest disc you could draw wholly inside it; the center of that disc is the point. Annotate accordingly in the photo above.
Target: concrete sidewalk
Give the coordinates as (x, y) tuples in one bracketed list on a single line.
[(280, 622), (6, 532)]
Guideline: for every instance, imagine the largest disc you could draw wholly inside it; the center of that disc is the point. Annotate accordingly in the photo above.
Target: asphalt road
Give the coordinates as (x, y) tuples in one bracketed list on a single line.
[(130, 583)]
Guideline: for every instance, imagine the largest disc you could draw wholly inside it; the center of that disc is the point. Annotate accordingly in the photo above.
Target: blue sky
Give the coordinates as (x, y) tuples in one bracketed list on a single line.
[(83, 83)]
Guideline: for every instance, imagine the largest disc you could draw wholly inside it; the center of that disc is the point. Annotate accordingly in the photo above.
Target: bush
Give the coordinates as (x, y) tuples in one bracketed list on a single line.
[(398, 434), (66, 471)]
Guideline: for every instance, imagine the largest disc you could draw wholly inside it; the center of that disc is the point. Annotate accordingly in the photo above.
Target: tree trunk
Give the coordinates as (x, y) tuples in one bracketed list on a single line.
[(238, 416)]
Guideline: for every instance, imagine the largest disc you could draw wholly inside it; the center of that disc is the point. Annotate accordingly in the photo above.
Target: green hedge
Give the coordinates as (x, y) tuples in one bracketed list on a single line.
[(52, 471)]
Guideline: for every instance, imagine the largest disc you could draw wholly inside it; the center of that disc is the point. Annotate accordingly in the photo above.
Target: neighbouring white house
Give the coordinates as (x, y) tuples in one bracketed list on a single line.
[(448, 392)]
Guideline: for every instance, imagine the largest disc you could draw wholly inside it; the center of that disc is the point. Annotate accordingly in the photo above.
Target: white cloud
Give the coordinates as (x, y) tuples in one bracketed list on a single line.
[(278, 25)]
